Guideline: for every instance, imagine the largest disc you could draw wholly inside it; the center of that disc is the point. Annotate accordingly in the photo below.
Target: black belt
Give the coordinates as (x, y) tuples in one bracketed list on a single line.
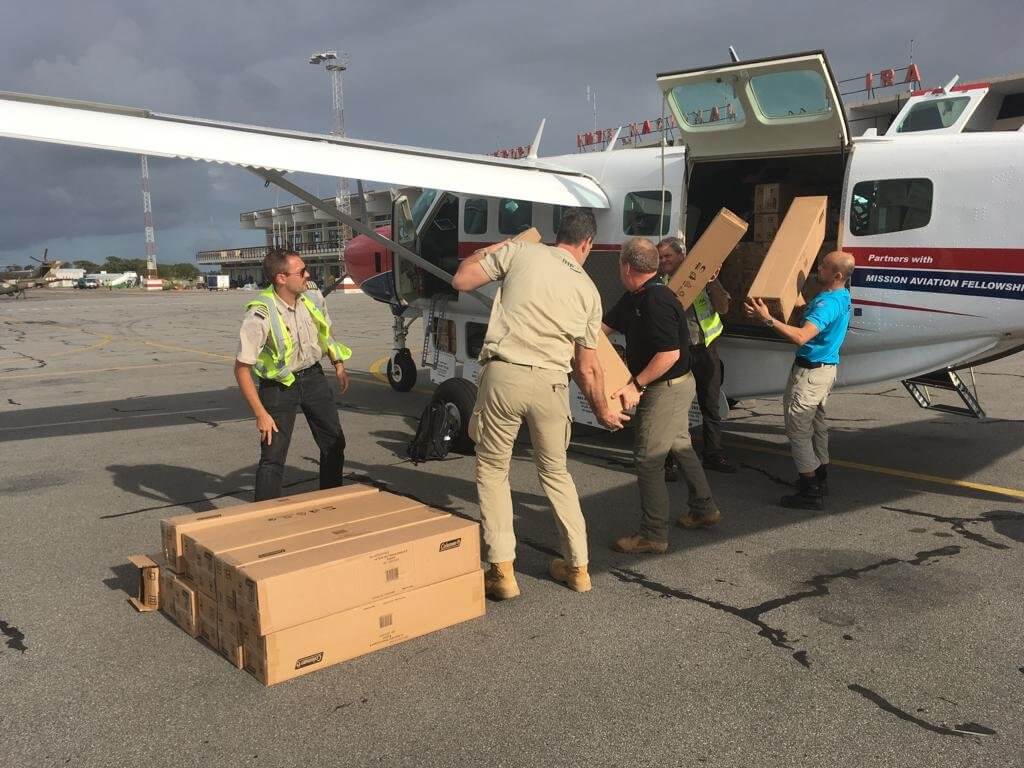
[(314, 368), (802, 362)]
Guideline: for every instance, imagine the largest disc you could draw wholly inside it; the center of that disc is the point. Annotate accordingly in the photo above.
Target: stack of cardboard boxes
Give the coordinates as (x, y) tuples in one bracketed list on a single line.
[(285, 587)]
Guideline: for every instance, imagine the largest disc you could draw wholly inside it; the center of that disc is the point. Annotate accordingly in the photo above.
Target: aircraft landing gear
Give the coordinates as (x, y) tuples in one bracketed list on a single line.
[(402, 371), (459, 398)]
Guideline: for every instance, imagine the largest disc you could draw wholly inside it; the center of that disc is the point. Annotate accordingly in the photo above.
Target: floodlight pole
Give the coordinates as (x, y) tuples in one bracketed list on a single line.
[(336, 64)]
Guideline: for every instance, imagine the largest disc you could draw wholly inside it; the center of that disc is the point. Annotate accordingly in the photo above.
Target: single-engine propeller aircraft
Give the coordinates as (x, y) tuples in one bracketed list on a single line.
[(16, 282), (930, 210)]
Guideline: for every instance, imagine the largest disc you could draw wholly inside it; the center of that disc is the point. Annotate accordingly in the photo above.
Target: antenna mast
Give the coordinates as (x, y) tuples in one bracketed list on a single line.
[(147, 215)]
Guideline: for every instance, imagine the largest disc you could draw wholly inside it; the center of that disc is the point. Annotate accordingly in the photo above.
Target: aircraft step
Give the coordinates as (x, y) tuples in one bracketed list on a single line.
[(435, 316), (948, 380)]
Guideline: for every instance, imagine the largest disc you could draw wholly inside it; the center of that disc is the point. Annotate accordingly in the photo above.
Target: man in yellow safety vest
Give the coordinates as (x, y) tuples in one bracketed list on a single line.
[(285, 333), (705, 325)]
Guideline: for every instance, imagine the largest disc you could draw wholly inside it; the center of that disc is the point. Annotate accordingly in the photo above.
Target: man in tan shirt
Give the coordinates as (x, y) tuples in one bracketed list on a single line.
[(285, 332), (544, 325)]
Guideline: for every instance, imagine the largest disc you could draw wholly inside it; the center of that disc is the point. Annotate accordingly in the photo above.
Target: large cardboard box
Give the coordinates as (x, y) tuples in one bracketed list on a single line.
[(790, 257), (173, 529), (206, 618), (202, 547), (342, 636), (281, 592), (766, 226), (772, 198), (707, 255), (228, 564), (229, 639), (178, 600), (616, 374)]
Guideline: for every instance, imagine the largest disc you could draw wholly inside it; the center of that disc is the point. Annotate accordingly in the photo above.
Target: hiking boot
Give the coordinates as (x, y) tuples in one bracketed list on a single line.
[(821, 475), (808, 495), (706, 520), (500, 581), (575, 577), (639, 545), (718, 463), (671, 469)]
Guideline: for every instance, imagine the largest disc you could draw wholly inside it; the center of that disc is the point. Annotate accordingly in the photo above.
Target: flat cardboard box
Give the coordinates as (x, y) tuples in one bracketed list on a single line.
[(772, 198), (791, 256), (345, 635), (147, 592), (227, 565), (766, 226), (284, 591), (178, 600), (173, 529), (201, 547), (707, 256)]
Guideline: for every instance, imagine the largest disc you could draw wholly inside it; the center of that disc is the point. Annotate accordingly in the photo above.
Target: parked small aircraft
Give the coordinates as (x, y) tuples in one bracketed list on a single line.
[(16, 282)]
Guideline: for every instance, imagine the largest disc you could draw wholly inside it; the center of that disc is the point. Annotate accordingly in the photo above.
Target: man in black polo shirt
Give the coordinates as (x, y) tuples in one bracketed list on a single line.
[(662, 389)]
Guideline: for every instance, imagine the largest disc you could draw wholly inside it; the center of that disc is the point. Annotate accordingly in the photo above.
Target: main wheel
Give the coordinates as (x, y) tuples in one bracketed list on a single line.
[(459, 397), (402, 371)]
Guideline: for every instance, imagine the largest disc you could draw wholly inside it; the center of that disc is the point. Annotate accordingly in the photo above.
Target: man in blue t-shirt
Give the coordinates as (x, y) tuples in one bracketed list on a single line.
[(814, 372)]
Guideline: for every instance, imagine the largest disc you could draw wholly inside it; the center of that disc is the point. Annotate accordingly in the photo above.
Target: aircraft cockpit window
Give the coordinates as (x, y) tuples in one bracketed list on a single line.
[(792, 93), (934, 115), (419, 208), (711, 102), (642, 210), (474, 216), (514, 216), (890, 205)]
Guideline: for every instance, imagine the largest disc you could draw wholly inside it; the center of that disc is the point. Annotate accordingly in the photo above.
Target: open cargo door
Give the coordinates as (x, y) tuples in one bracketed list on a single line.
[(760, 108)]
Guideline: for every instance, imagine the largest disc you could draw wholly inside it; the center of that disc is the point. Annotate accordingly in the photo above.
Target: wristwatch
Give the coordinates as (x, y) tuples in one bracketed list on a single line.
[(769, 322), (636, 384)]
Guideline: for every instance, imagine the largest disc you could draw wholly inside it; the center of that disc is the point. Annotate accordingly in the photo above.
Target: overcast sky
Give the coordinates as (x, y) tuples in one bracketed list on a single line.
[(469, 76)]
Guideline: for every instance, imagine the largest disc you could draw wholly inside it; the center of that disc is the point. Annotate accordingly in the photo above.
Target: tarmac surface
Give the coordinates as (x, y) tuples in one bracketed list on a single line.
[(886, 631)]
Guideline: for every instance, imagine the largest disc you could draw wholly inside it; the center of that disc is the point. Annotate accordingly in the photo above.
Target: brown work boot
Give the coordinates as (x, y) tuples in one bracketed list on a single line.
[(500, 581), (690, 520), (575, 577), (639, 545)]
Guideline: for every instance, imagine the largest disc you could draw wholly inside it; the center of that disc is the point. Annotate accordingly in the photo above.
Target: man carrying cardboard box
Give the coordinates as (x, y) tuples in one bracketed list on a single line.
[(544, 323), (826, 320), (283, 337), (662, 389), (704, 322)]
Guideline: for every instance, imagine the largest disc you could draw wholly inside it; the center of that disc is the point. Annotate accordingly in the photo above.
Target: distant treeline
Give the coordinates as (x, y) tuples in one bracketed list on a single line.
[(184, 271)]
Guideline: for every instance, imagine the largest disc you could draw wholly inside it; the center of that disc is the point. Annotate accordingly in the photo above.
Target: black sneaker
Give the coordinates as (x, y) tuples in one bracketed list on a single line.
[(671, 470), (718, 463), (821, 475)]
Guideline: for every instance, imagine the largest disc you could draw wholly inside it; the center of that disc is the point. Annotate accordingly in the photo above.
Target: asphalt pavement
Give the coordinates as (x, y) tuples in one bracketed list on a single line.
[(886, 631)]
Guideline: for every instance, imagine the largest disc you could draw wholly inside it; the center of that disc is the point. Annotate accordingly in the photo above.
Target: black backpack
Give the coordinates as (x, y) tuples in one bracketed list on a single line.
[(433, 435)]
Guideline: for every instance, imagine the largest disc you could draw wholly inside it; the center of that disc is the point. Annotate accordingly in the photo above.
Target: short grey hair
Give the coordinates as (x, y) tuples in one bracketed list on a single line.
[(641, 254), (675, 243)]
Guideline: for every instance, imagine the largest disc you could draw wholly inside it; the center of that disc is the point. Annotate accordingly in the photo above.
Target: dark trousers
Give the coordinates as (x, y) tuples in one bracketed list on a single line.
[(707, 372), (310, 392)]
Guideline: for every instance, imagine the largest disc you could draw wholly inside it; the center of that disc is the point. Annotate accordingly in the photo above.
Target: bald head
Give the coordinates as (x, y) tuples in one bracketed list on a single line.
[(835, 269)]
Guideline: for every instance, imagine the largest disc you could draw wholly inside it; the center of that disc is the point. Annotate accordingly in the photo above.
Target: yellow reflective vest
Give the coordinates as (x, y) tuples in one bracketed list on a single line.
[(272, 362), (710, 323)]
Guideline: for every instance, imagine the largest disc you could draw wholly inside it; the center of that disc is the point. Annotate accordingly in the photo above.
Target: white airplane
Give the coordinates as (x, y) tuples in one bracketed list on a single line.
[(931, 210)]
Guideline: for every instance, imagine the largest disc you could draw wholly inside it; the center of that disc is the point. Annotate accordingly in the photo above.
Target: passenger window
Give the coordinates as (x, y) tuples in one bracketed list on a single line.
[(474, 216), (933, 115), (641, 211), (709, 102), (791, 94), (514, 216), (890, 205), (556, 217)]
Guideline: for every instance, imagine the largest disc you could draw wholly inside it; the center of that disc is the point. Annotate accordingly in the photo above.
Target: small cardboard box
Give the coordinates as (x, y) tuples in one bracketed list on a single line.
[(147, 597), (227, 565), (202, 547), (342, 636), (173, 529), (179, 600), (772, 198), (284, 591), (790, 257), (707, 256), (766, 226)]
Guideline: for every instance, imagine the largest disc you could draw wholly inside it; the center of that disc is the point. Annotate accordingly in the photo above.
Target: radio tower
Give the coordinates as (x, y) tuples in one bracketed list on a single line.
[(147, 214), (335, 64)]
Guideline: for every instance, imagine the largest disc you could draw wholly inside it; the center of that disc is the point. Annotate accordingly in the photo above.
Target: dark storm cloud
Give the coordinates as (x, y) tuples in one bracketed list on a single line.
[(457, 75)]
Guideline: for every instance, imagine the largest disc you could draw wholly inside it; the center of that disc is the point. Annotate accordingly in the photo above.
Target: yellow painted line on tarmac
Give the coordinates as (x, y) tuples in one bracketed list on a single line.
[(77, 371), (101, 343), (999, 490), (377, 369), (172, 348)]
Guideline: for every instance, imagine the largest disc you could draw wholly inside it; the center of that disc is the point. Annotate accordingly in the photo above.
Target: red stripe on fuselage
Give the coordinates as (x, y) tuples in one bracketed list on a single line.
[(866, 303), (467, 248), (1007, 260)]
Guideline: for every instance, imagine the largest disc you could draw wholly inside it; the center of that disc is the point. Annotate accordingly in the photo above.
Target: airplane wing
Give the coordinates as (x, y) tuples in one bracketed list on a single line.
[(138, 131)]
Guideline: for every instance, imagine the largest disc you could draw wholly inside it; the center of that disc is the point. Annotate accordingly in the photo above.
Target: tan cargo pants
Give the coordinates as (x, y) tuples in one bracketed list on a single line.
[(804, 407), (662, 425), (508, 395)]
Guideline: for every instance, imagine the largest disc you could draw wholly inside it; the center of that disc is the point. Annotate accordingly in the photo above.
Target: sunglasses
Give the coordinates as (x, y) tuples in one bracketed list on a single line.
[(302, 271)]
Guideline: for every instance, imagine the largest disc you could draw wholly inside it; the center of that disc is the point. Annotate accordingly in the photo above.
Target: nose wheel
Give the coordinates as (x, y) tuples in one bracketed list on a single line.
[(402, 371)]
